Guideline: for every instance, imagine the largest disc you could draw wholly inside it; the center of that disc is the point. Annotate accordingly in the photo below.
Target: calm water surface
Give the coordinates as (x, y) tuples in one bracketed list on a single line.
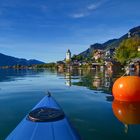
[(84, 95)]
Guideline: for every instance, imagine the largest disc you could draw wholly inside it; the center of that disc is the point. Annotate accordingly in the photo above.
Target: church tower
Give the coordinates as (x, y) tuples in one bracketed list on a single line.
[(68, 56)]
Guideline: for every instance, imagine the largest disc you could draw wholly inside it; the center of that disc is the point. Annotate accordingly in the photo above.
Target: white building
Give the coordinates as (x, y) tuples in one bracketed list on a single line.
[(129, 34), (138, 48), (68, 56)]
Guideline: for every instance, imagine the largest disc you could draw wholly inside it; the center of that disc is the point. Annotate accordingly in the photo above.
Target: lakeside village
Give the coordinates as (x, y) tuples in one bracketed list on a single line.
[(125, 57), (100, 60)]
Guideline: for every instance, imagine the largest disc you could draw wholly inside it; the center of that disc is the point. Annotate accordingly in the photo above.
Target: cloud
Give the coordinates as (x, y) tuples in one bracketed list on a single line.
[(87, 10), (79, 15), (93, 6)]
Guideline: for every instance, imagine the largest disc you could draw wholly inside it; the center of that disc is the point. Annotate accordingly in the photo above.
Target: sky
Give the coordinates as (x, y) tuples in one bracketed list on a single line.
[(45, 29)]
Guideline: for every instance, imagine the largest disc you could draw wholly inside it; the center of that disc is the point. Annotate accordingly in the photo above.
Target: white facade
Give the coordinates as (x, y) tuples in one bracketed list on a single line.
[(138, 48), (129, 34), (68, 55)]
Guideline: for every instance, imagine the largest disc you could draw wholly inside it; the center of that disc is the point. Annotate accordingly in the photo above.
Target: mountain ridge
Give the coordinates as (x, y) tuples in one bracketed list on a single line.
[(6, 60), (112, 43)]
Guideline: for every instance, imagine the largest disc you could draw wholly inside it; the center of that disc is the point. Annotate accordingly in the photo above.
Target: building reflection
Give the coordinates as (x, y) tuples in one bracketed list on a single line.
[(97, 83), (97, 80), (108, 80), (68, 78), (102, 80), (94, 79), (90, 78)]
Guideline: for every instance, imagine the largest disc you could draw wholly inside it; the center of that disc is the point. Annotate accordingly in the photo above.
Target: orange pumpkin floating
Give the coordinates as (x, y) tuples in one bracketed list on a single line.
[(127, 88), (127, 112)]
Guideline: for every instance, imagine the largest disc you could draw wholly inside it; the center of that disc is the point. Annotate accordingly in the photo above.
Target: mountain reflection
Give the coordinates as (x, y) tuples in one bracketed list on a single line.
[(13, 74)]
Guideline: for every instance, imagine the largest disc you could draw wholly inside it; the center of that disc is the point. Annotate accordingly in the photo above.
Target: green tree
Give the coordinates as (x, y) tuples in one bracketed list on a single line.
[(77, 57), (128, 50)]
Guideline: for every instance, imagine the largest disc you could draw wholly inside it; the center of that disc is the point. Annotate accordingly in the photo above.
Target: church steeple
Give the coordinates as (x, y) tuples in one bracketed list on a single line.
[(68, 56)]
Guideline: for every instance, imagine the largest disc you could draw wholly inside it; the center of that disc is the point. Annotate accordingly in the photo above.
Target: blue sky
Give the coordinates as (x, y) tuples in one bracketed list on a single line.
[(45, 29)]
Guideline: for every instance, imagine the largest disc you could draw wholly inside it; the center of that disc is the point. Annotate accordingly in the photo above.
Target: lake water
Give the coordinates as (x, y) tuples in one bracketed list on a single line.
[(84, 95)]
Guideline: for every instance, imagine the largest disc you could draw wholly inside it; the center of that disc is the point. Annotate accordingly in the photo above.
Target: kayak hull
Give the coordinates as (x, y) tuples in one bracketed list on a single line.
[(54, 130)]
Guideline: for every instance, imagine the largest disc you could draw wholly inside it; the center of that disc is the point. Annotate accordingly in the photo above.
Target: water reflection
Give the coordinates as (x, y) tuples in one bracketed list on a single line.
[(14, 74), (90, 78), (89, 111), (11, 74), (68, 78), (109, 98), (127, 112), (95, 80)]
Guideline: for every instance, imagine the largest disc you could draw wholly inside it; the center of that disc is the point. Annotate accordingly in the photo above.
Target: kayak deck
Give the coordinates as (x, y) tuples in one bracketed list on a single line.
[(59, 129)]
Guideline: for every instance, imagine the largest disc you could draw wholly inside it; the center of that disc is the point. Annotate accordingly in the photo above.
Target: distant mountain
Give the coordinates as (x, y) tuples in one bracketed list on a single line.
[(6, 60), (113, 43)]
